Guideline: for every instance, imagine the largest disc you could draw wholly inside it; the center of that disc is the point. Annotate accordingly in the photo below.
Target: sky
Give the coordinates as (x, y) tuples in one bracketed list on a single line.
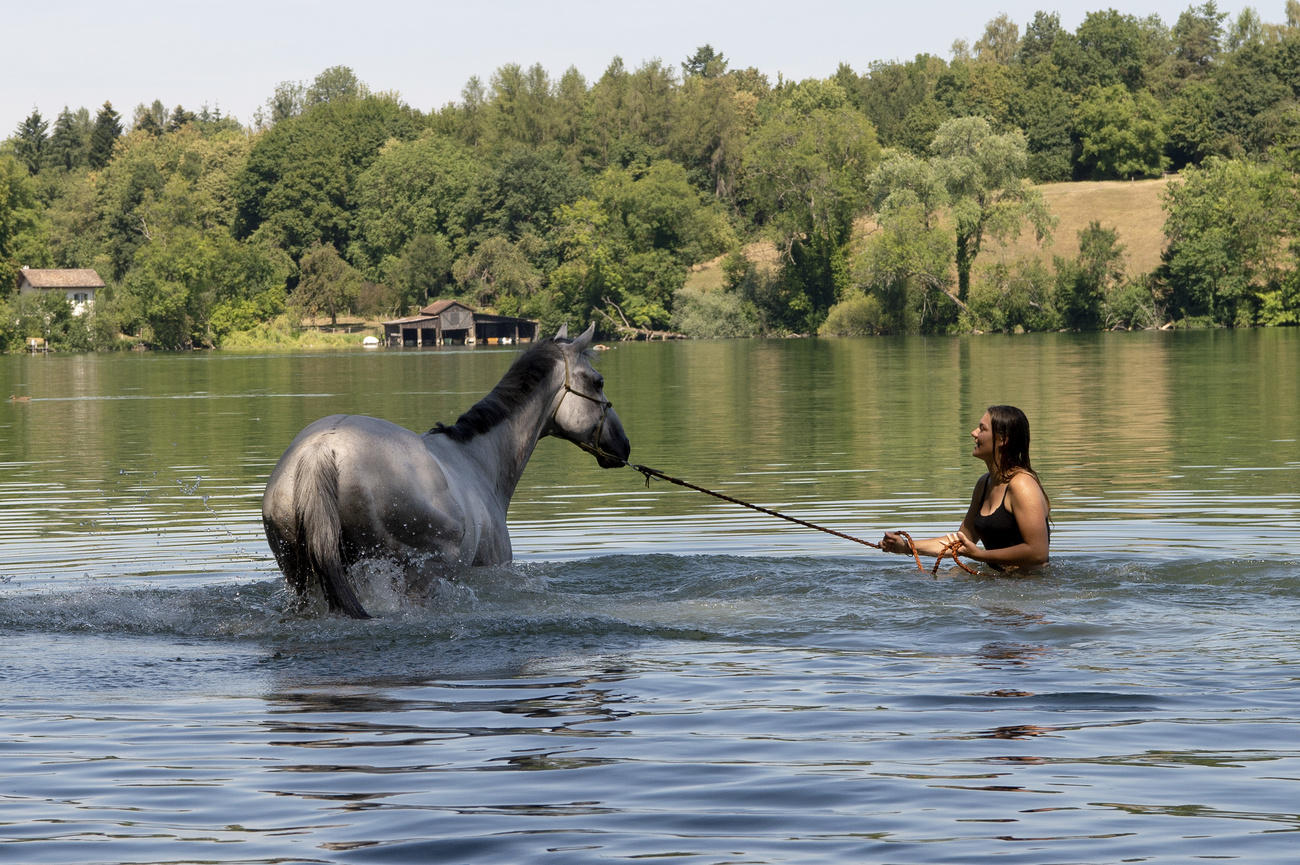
[(231, 55)]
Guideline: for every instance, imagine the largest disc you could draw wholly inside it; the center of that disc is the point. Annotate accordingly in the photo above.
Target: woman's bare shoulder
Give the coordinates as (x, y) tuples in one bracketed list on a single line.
[(1024, 485)]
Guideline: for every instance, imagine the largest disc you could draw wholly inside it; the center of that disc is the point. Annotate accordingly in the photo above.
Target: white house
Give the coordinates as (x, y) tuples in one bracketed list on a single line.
[(77, 285)]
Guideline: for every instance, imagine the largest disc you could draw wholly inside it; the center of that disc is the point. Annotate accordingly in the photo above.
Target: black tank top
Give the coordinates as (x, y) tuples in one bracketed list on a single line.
[(999, 529)]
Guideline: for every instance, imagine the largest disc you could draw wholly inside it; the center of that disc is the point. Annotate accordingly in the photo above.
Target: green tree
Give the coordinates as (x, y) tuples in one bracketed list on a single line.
[(705, 63), (907, 264), (628, 118), (1197, 38), (498, 273), (1045, 114), (1113, 48), (1000, 42), (715, 115), (179, 118), (1122, 134), (288, 100), (335, 84), (1041, 33), (804, 168), (31, 142), (422, 272), (1084, 285), (69, 143), (152, 118), (431, 185), (629, 245), (522, 107), (1246, 29), (899, 99), (1227, 229), (19, 221), (106, 132), (526, 187), (1015, 296), (590, 271), (983, 177), (299, 183), (326, 284)]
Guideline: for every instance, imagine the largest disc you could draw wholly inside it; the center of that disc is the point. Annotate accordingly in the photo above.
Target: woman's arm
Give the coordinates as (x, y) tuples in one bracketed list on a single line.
[(893, 542)]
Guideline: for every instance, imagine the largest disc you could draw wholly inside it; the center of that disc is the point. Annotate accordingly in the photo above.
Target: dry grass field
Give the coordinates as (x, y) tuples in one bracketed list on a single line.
[(1133, 208)]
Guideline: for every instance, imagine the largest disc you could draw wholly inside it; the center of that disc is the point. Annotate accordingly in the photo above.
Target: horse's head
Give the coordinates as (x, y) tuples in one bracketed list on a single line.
[(582, 413)]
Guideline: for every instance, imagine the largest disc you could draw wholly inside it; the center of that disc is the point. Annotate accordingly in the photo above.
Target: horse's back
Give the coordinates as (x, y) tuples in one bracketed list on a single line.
[(394, 494)]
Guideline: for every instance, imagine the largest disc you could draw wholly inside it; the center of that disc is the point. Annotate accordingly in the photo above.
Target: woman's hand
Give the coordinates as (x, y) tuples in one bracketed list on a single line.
[(965, 547), (894, 542)]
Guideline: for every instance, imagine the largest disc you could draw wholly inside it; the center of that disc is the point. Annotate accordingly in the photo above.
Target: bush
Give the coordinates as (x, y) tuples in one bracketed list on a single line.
[(713, 314), (1012, 297), (1132, 306), (856, 315)]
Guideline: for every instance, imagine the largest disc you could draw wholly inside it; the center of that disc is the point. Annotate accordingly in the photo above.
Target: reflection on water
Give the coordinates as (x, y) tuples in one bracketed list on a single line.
[(660, 674)]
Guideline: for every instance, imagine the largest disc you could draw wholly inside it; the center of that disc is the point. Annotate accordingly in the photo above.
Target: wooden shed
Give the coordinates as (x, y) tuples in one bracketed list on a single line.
[(78, 285), (450, 322)]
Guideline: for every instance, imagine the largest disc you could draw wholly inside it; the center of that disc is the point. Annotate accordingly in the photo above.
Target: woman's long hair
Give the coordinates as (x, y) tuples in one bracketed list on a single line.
[(1011, 444)]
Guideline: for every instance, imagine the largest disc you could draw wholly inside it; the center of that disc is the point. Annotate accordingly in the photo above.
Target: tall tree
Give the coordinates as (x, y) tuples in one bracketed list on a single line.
[(907, 265), (1123, 135), (1226, 228), (1000, 41), (108, 128), (1083, 285), (151, 118), (983, 175), (803, 170), (705, 62), (433, 185), (335, 83), (299, 184), (326, 284), (69, 143), (31, 142), (19, 219), (1197, 38)]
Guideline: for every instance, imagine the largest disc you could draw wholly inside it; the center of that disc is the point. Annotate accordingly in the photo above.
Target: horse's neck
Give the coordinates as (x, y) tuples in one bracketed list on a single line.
[(504, 450)]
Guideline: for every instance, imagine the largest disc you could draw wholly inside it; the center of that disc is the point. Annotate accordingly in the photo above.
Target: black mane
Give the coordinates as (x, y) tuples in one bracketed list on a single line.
[(525, 374)]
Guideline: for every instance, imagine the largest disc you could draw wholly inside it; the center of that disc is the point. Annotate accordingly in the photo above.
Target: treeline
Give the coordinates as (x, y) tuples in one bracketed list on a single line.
[(563, 199)]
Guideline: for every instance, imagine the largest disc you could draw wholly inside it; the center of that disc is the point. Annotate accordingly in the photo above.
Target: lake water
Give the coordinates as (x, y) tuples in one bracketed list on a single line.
[(660, 674)]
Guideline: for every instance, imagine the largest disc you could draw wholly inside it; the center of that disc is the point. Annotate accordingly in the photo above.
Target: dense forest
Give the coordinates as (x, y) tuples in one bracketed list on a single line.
[(872, 192)]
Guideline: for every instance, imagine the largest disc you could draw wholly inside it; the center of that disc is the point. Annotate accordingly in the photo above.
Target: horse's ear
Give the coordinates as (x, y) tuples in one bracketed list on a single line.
[(580, 343), (563, 332)]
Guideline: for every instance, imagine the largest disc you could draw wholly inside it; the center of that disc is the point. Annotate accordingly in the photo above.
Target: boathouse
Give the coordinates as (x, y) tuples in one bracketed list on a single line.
[(78, 285), (450, 322)]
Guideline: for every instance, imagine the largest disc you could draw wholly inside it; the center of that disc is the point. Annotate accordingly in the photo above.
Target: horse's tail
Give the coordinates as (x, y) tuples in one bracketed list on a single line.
[(316, 510)]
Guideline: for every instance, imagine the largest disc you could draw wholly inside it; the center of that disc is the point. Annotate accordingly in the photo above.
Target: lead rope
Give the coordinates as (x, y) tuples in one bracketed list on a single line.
[(948, 551)]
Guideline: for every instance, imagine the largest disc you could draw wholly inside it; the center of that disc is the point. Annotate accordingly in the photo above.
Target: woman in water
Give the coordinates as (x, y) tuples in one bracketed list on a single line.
[(1008, 509)]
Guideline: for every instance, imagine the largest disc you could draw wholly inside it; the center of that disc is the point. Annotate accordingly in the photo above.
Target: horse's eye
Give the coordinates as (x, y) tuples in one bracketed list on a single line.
[(600, 381)]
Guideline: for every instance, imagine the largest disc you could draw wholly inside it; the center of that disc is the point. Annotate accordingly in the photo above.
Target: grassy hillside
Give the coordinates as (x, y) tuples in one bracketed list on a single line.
[(1132, 208)]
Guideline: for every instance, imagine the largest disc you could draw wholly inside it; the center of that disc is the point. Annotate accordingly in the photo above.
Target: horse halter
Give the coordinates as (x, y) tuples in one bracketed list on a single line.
[(605, 406)]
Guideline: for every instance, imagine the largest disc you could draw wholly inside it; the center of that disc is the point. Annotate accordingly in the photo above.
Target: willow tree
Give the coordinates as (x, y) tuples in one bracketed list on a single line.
[(987, 193)]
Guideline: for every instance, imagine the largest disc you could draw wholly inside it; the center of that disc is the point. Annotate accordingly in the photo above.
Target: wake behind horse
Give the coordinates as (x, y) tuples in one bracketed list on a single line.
[(352, 487)]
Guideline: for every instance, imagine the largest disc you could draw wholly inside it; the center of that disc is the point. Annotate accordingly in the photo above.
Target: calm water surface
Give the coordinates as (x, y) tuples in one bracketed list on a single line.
[(660, 674)]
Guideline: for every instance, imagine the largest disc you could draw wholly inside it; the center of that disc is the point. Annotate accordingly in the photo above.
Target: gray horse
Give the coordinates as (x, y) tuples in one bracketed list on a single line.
[(352, 487)]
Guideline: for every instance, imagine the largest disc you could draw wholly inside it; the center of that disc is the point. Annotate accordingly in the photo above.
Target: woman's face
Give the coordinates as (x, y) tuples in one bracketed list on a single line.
[(983, 435)]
